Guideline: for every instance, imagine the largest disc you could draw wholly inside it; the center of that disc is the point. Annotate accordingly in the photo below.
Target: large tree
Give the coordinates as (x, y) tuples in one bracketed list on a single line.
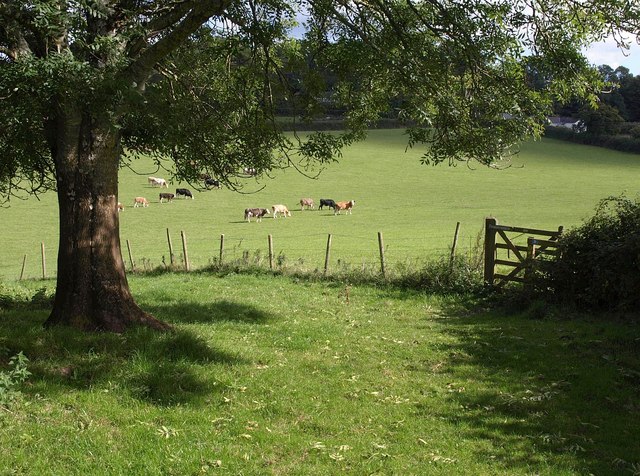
[(87, 85)]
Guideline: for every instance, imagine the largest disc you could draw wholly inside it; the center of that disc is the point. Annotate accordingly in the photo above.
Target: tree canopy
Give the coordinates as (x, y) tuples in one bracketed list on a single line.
[(195, 80), (86, 85)]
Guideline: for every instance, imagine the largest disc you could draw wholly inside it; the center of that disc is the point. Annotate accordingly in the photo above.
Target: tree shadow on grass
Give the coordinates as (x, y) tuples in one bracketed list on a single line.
[(545, 390), (186, 312), (160, 368)]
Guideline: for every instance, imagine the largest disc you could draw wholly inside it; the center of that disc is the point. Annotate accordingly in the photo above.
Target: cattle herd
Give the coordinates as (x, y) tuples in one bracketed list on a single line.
[(257, 213), (167, 196), (305, 204)]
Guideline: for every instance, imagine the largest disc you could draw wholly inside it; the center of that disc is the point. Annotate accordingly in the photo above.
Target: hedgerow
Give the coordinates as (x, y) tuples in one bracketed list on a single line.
[(599, 265)]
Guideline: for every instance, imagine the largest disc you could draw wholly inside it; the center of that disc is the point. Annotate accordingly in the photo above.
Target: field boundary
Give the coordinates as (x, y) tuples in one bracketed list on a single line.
[(524, 256), (372, 252)]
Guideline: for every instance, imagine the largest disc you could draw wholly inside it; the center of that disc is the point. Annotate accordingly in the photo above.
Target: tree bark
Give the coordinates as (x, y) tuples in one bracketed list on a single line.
[(92, 291)]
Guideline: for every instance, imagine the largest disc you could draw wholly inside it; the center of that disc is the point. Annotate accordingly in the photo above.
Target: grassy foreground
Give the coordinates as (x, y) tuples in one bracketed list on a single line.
[(272, 375)]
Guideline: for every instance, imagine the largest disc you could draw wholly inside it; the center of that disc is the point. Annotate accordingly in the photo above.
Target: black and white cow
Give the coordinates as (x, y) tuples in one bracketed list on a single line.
[(185, 192), (212, 183)]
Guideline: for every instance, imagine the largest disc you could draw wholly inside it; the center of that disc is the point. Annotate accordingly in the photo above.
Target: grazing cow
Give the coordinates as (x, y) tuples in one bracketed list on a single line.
[(160, 182), (120, 207), (327, 202), (348, 206), (249, 171), (258, 213), (140, 201), (306, 202), (184, 192), (211, 183), (280, 209), (166, 196)]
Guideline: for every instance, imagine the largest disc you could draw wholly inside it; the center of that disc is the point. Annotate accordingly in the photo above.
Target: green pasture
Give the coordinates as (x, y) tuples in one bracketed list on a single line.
[(416, 207), (269, 375)]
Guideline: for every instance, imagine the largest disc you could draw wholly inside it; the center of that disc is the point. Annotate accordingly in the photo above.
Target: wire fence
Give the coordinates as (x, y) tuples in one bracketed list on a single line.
[(314, 252)]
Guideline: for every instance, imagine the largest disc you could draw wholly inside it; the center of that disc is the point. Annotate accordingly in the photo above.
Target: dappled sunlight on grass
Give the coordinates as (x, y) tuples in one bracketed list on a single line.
[(278, 375)]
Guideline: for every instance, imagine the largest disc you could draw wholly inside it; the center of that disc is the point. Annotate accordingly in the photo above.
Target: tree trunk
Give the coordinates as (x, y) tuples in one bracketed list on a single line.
[(92, 291)]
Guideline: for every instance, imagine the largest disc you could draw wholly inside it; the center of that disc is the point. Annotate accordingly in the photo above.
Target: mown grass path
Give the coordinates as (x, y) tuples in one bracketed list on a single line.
[(273, 375)]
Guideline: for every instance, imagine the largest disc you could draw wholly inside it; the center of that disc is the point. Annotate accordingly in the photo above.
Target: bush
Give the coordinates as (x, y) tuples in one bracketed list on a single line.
[(599, 267), (13, 377), (440, 276), (635, 132), (621, 143), (20, 297)]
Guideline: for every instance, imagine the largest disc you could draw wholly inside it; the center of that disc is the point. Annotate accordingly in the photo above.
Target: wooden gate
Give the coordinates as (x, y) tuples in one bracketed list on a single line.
[(497, 238)]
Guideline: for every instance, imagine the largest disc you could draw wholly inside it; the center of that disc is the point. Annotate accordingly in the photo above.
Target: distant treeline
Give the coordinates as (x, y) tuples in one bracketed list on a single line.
[(623, 141), (336, 124)]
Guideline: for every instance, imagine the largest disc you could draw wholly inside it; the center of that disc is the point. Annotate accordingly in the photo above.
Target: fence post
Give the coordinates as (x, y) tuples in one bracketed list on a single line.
[(489, 249), (184, 250), (381, 247), (454, 245), (133, 266), (221, 248), (327, 254), (44, 261), (171, 255), (532, 250), (270, 252), (24, 261)]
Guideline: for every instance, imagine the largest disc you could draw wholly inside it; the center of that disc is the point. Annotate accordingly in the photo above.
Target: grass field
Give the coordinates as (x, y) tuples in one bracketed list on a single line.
[(416, 207), (276, 376)]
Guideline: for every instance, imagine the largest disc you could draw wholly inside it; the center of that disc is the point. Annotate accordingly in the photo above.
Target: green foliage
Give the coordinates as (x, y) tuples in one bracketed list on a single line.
[(635, 132), (20, 297), (12, 378), (599, 267), (617, 142), (603, 121), (205, 96), (442, 276)]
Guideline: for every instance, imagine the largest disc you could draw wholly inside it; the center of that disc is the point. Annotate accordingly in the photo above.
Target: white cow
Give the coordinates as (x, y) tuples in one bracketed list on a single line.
[(156, 181), (280, 209)]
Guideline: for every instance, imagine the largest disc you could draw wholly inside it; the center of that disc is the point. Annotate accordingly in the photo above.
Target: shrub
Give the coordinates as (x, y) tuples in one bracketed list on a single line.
[(19, 297), (621, 143), (599, 267), (440, 276), (635, 132), (13, 377)]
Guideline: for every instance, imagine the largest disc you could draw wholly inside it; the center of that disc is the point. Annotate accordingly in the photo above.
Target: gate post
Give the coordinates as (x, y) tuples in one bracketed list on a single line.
[(532, 251), (489, 249)]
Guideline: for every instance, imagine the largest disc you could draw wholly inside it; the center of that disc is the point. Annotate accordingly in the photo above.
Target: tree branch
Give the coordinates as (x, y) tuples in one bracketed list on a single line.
[(199, 13)]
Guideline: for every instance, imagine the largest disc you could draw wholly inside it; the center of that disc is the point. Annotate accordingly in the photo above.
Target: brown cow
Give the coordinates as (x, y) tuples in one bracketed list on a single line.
[(306, 202), (166, 196), (258, 213), (348, 206), (140, 201)]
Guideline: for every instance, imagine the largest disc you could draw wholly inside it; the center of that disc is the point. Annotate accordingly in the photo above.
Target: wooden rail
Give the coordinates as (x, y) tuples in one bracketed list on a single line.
[(519, 257)]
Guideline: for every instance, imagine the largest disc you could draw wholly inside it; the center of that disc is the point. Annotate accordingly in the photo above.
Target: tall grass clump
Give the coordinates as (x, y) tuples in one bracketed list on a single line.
[(599, 265), (11, 379), (20, 297), (445, 276)]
